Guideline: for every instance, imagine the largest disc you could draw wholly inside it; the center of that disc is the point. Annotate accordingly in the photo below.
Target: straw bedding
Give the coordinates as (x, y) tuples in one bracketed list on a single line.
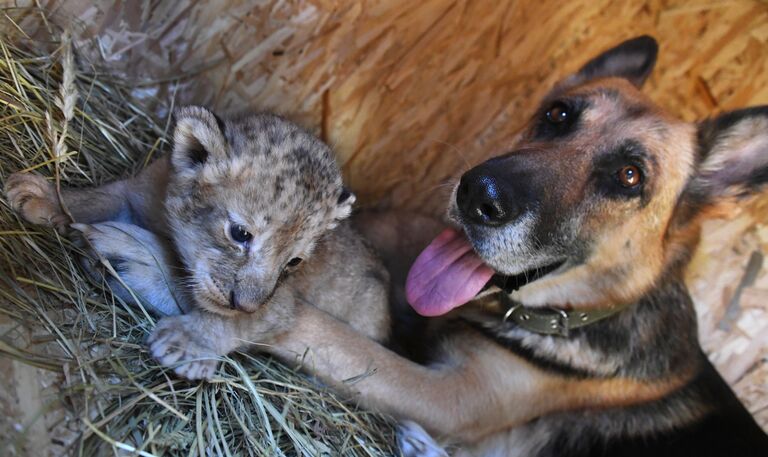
[(75, 372)]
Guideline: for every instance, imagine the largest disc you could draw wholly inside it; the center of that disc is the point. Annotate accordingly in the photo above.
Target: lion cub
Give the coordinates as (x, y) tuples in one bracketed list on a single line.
[(245, 212)]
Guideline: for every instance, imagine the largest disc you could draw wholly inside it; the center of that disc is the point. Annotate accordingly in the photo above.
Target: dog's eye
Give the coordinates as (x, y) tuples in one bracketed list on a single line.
[(557, 113), (560, 119), (294, 261), (240, 234), (630, 176)]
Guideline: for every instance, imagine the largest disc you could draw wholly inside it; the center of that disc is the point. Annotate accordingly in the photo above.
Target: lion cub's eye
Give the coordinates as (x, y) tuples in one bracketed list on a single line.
[(630, 176), (294, 261), (557, 113), (240, 234)]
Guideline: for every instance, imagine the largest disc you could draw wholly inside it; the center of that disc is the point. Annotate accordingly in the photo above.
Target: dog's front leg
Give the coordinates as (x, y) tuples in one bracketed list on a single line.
[(479, 387)]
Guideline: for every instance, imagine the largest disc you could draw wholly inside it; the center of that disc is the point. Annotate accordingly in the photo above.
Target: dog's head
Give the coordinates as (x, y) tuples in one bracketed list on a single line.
[(603, 190)]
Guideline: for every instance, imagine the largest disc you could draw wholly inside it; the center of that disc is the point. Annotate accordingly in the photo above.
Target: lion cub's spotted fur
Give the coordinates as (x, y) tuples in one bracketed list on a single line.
[(259, 172)]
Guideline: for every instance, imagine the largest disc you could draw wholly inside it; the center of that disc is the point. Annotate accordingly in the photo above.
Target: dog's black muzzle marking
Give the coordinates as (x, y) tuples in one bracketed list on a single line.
[(510, 284)]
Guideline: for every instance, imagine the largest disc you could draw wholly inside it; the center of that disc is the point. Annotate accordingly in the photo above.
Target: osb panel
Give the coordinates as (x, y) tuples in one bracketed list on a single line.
[(412, 93)]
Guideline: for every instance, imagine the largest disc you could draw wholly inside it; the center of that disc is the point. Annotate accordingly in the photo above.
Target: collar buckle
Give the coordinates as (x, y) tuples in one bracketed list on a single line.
[(512, 307), (561, 322)]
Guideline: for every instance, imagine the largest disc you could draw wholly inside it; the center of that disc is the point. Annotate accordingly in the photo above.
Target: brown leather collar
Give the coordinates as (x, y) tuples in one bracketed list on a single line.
[(553, 321), (545, 321)]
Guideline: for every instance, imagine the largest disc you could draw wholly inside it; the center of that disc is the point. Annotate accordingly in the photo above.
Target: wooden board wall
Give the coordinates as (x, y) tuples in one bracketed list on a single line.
[(410, 93)]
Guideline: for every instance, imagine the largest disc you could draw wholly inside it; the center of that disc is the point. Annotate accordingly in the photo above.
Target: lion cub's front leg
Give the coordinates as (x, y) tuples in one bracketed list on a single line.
[(138, 200), (193, 344)]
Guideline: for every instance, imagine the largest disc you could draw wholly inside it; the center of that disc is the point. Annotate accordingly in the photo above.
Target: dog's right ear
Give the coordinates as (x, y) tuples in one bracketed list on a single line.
[(733, 155), (199, 135), (731, 165), (633, 60)]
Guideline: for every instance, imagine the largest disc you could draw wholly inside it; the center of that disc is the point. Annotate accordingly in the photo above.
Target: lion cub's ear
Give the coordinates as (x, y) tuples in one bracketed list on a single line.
[(198, 136), (344, 204)]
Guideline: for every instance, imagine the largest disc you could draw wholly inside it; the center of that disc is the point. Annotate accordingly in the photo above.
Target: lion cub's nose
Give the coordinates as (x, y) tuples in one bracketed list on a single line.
[(236, 302), (233, 303)]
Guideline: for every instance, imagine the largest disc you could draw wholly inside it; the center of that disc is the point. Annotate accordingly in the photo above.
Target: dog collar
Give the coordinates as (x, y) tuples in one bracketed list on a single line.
[(550, 321)]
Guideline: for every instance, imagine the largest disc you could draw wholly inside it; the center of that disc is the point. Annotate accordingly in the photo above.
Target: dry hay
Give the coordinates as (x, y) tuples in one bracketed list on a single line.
[(76, 376)]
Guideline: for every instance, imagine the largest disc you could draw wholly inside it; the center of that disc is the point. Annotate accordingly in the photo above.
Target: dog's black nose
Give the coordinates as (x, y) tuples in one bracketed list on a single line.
[(483, 199)]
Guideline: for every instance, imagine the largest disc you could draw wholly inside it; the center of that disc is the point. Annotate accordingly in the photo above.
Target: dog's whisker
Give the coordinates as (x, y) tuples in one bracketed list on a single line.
[(459, 153)]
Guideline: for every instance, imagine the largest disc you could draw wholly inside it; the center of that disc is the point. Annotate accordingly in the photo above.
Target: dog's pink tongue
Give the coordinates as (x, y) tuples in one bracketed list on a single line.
[(446, 275)]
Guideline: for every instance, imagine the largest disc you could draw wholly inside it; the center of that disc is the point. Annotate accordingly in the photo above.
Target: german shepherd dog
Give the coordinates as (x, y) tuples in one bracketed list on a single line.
[(585, 343)]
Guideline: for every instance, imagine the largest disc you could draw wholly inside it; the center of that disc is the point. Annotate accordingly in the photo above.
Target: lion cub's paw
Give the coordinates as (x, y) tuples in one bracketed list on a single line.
[(140, 258), (176, 343), (414, 441), (34, 198)]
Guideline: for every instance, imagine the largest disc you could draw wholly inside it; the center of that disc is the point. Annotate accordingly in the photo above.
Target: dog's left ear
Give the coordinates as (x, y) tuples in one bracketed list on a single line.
[(633, 60), (733, 156)]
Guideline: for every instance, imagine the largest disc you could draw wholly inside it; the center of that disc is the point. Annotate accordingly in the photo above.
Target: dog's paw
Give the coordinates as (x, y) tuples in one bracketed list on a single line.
[(414, 441), (176, 343), (34, 198), (141, 259)]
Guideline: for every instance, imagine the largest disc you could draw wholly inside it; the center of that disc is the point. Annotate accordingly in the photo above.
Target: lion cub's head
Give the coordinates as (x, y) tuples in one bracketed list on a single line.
[(248, 198)]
